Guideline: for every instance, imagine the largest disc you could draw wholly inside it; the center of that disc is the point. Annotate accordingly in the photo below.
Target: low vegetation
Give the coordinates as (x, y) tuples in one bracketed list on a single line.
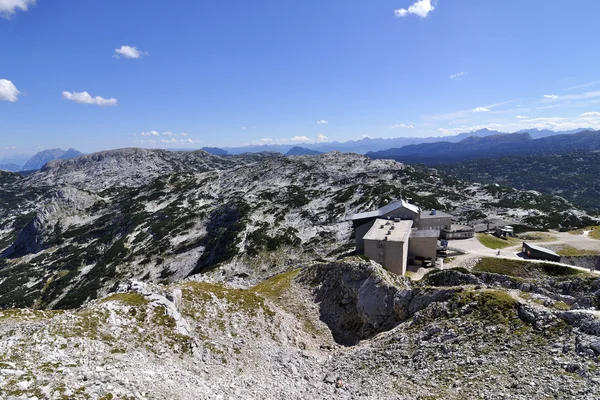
[(525, 269), (494, 242), (594, 231), (570, 251)]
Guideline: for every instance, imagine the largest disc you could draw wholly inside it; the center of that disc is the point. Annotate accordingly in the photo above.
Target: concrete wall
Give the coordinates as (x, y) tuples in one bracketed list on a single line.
[(435, 223), (458, 235), (395, 254), (403, 213), (360, 232), (423, 247)]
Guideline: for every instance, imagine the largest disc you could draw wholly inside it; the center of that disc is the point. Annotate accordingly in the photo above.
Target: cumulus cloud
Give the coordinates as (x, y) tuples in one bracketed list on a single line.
[(321, 122), (457, 76), (170, 134), (86, 98), (590, 114), (8, 91), (480, 109), (9, 7), (420, 8), (550, 97), (129, 52), (521, 117), (301, 139), (322, 138), (293, 140), (401, 126)]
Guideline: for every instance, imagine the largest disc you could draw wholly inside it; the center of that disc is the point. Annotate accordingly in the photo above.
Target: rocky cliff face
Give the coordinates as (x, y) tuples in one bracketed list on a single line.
[(280, 339)]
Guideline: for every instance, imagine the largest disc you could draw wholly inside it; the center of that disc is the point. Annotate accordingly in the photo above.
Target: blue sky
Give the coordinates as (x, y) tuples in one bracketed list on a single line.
[(226, 73)]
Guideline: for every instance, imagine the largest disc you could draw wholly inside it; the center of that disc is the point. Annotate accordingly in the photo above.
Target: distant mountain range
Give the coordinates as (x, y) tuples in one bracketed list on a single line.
[(302, 151), (10, 167), (493, 146), (215, 151), (43, 157), (366, 145)]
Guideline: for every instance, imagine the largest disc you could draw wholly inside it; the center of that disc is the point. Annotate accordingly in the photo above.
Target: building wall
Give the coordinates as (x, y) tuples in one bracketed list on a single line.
[(402, 213), (423, 247), (539, 255), (458, 234), (360, 232), (435, 223), (391, 255)]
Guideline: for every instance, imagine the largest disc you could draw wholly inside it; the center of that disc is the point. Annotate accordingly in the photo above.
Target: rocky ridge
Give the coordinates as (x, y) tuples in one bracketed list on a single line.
[(287, 338)]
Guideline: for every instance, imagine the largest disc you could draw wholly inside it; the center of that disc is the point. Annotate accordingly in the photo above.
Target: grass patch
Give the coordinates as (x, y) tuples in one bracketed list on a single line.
[(494, 306), (238, 300), (537, 236), (594, 234), (130, 299), (494, 242), (275, 286), (525, 269), (569, 251)]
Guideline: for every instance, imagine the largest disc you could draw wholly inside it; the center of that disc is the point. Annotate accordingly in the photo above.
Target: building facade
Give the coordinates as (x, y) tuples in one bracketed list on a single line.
[(387, 243)]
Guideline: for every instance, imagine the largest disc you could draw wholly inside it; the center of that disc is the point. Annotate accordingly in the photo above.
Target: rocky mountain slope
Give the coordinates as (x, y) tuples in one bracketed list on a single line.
[(345, 329), (78, 228), (494, 146), (573, 175)]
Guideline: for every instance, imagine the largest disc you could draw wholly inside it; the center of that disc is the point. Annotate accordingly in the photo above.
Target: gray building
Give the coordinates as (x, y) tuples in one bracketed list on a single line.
[(387, 243), (434, 220), (539, 252), (458, 231), (400, 209), (422, 247)]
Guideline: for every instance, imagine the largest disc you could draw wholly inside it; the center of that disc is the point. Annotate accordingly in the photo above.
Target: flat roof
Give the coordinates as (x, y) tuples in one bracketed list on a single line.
[(438, 214), (388, 208), (394, 231), (540, 248)]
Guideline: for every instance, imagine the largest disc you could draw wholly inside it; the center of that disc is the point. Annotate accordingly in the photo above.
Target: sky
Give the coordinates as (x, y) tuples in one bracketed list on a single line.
[(104, 74)]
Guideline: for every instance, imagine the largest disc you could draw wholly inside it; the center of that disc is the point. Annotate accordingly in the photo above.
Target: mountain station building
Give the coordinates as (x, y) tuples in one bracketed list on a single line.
[(400, 234)]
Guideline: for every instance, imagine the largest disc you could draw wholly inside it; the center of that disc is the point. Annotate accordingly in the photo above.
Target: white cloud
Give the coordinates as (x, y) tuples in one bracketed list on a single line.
[(301, 139), (321, 122), (293, 140), (550, 96), (8, 90), (86, 98), (521, 117), (9, 7), (480, 109), (590, 114), (168, 141), (401, 126), (129, 52), (457, 76), (170, 134), (583, 85), (420, 8)]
